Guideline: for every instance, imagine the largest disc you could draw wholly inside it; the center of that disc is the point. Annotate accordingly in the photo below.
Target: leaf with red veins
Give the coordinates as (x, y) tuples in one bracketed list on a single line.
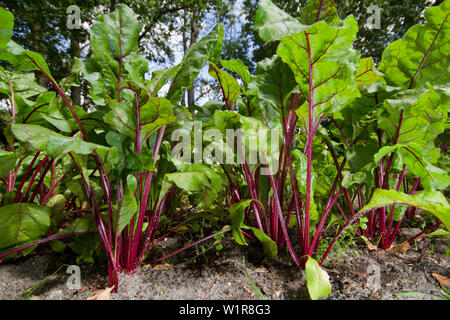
[(423, 55), (323, 57)]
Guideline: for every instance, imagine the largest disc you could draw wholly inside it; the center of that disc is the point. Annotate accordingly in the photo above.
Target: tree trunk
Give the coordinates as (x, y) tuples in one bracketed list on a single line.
[(36, 36), (185, 50), (75, 92), (193, 40), (112, 7)]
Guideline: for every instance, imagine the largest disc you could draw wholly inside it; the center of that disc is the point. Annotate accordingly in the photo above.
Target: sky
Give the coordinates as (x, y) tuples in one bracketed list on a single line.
[(176, 42)]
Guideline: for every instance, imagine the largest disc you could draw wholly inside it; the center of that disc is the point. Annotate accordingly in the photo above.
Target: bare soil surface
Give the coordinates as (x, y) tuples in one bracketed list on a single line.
[(357, 274)]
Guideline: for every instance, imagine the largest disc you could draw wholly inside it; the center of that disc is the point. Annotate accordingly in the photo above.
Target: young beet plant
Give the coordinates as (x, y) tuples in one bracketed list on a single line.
[(109, 159), (391, 143), (311, 76), (349, 133), (30, 178)]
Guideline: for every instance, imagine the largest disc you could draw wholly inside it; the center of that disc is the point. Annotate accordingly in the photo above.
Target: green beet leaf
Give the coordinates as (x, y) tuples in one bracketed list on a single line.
[(318, 10), (423, 55), (237, 219), (55, 144), (25, 60), (324, 65), (269, 246), (22, 224), (273, 23), (114, 42), (6, 27), (24, 87), (238, 66), (274, 82), (433, 202), (367, 74), (230, 87), (431, 176), (127, 207), (209, 47), (154, 114), (317, 280), (7, 162)]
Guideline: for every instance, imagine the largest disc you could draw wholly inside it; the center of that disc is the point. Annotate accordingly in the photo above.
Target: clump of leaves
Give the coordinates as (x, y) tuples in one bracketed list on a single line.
[(354, 140), (112, 160)]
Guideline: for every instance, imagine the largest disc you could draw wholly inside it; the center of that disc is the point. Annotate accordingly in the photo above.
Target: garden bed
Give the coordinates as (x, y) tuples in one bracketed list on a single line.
[(222, 275)]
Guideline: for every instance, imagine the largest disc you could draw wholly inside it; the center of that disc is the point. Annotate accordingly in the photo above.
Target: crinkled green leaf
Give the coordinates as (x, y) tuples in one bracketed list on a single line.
[(24, 86), (273, 23), (269, 246), (56, 117), (274, 82), (196, 179), (126, 208), (25, 60), (56, 205), (230, 87), (350, 179), (423, 55), (324, 64), (206, 111), (438, 233), (215, 180), (237, 219), (115, 35), (433, 202), (73, 79), (317, 10), (155, 113), (6, 27), (209, 47), (114, 42), (160, 78), (83, 224), (55, 144), (367, 74), (257, 142), (431, 176), (424, 118), (7, 162), (360, 155), (237, 66), (22, 224)]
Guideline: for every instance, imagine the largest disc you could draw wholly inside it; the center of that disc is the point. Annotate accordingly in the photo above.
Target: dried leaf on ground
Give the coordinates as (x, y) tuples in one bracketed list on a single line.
[(401, 248), (443, 280), (102, 295), (261, 269), (369, 245), (163, 266), (350, 286), (247, 290)]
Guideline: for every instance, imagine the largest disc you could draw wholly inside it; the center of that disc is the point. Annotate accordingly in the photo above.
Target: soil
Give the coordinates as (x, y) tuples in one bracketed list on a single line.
[(357, 274)]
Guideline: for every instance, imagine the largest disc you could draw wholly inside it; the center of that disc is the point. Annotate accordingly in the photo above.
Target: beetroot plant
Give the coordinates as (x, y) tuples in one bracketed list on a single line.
[(111, 158), (315, 135), (354, 140)]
